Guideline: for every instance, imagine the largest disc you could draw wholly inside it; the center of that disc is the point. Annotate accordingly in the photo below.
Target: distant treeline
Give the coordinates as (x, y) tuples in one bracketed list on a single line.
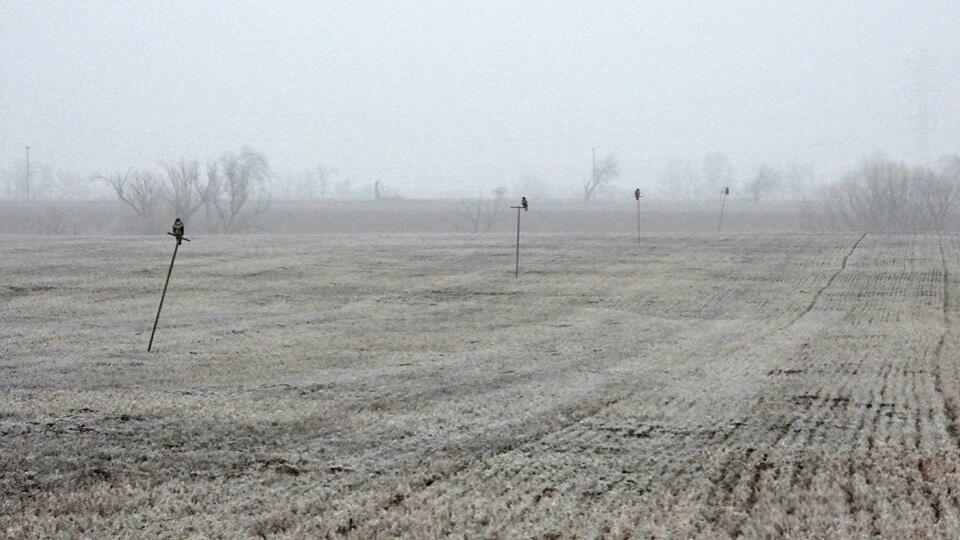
[(883, 195), (240, 193)]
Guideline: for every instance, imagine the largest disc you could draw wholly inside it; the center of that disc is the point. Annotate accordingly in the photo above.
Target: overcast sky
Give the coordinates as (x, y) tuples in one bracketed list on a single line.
[(436, 98)]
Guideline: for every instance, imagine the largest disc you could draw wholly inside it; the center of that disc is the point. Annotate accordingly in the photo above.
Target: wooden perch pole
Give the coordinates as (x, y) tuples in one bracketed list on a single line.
[(178, 234)]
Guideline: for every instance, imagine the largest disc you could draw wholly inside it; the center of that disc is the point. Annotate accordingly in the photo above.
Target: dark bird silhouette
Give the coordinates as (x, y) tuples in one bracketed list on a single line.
[(636, 194), (178, 231), (523, 203)]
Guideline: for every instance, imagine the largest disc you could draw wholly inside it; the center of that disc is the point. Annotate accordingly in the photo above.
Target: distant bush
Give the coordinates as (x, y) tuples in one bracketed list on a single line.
[(882, 195), (479, 215)]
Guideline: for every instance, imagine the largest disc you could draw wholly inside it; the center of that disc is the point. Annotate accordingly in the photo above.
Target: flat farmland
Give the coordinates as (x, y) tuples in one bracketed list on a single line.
[(407, 385)]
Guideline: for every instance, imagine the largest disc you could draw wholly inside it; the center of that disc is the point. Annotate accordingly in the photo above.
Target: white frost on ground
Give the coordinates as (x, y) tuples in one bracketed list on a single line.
[(707, 385)]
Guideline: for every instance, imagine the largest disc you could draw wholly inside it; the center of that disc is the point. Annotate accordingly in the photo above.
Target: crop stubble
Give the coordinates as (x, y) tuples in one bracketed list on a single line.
[(356, 385)]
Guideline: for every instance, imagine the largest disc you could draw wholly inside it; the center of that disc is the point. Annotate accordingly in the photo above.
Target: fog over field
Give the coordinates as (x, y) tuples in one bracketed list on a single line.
[(479, 269), (451, 100)]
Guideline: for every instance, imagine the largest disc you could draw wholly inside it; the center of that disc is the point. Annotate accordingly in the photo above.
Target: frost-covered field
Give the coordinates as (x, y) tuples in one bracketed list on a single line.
[(713, 385)]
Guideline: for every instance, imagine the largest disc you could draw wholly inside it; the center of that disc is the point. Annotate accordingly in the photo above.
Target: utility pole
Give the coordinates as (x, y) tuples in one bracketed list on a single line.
[(26, 185)]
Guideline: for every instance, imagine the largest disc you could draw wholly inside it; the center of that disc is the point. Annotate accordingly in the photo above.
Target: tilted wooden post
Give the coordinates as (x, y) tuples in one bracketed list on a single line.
[(638, 195), (178, 234), (723, 200)]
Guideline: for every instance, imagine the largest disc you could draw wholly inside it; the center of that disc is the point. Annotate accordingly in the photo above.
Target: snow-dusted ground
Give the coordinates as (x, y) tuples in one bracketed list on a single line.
[(704, 385)]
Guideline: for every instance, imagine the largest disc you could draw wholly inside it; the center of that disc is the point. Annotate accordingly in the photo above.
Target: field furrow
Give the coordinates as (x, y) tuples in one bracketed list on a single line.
[(692, 386)]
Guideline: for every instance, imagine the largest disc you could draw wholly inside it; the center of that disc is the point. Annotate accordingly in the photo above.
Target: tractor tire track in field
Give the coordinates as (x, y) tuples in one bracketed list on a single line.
[(949, 406), (833, 277), (881, 418), (778, 430), (885, 418), (756, 459), (950, 409)]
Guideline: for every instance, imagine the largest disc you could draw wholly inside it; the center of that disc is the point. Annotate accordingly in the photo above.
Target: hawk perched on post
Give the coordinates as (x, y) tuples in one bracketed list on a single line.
[(523, 203), (178, 230), (636, 194)]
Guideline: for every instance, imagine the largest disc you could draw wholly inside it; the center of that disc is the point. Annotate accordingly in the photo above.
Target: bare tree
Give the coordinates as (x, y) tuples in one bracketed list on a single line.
[(43, 182), (766, 180), (241, 192), (183, 183), (36, 181), (210, 192), (138, 189), (798, 179), (481, 214), (603, 172), (886, 196), (717, 172), (305, 185), (938, 195), (681, 179), (74, 186), (286, 185), (323, 180), (874, 197)]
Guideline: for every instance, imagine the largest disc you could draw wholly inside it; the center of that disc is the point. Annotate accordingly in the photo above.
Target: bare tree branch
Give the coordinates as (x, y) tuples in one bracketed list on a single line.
[(607, 170), (138, 189)]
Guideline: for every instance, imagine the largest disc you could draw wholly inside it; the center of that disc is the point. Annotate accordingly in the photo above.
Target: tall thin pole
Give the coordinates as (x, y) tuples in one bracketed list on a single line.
[(516, 273), (723, 201), (638, 221), (26, 185), (163, 295)]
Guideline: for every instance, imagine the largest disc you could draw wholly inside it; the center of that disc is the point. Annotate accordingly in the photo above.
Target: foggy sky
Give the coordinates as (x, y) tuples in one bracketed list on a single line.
[(449, 97)]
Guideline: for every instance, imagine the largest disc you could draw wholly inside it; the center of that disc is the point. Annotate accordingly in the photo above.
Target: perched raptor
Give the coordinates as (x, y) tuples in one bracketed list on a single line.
[(178, 231)]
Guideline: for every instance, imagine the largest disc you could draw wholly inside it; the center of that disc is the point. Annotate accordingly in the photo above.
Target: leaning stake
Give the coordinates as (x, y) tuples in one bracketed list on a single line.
[(723, 200), (637, 195), (178, 234), (523, 206)]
